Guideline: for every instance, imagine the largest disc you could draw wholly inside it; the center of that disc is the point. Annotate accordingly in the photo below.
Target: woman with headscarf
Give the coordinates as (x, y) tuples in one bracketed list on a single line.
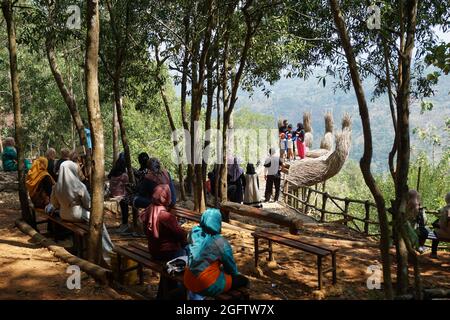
[(251, 194), (39, 183), (236, 181), (9, 155), (166, 239), (71, 197), (118, 179), (155, 176), (139, 174), (211, 268)]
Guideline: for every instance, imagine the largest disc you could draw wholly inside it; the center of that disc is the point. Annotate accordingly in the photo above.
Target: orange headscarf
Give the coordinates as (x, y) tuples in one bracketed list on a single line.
[(37, 172)]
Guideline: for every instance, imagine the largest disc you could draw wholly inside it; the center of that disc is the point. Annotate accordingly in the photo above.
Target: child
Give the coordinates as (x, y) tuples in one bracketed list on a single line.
[(290, 147), (283, 146), (251, 194)]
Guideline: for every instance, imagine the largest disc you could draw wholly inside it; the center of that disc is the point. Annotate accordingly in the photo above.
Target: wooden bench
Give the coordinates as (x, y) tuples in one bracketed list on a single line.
[(80, 230), (320, 251), (140, 254), (185, 213)]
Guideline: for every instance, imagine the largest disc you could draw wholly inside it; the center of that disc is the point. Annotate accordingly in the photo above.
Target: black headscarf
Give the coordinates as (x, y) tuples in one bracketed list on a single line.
[(251, 168), (119, 168), (142, 159)]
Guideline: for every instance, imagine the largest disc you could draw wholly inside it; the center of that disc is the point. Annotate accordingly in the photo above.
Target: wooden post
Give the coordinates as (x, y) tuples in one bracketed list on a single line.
[(286, 190), (324, 206), (315, 201), (367, 217), (347, 203), (307, 201)]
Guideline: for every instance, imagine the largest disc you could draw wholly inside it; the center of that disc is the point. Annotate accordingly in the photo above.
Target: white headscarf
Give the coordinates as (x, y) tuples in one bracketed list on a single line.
[(69, 189)]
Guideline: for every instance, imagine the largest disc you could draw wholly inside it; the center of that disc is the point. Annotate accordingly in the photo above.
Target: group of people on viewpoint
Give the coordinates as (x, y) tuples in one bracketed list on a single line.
[(57, 187)]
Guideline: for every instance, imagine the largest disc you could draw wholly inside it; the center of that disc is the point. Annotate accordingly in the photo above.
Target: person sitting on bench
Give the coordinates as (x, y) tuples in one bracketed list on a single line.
[(156, 175), (211, 267), (71, 197), (39, 183), (166, 239), (417, 218), (9, 156), (118, 178), (442, 226)]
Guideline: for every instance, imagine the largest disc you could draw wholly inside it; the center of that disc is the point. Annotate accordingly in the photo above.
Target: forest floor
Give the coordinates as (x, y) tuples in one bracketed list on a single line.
[(28, 271)]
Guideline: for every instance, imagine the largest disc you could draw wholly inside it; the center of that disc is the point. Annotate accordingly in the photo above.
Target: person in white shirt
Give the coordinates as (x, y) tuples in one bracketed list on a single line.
[(272, 174)]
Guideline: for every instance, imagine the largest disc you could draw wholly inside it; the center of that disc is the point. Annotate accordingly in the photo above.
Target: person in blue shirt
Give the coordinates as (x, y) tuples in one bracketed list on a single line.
[(87, 131)]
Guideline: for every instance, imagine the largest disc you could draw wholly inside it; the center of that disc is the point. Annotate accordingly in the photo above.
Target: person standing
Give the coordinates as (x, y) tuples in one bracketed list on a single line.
[(50, 154), (236, 181), (272, 175), (251, 194), (284, 127), (64, 156), (300, 140)]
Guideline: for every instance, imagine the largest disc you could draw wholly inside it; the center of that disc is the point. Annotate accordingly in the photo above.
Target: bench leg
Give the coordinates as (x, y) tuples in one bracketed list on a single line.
[(119, 268), (319, 271), (333, 263), (270, 251), (141, 274), (256, 252)]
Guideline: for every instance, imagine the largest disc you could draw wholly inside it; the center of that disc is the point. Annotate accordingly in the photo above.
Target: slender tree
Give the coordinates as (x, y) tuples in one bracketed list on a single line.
[(8, 13), (96, 124)]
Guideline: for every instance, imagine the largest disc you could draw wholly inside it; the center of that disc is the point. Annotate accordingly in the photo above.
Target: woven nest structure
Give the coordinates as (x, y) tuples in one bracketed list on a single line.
[(308, 129), (311, 171)]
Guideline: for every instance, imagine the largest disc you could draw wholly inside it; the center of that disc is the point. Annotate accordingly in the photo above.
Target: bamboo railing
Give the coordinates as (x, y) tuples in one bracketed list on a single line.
[(328, 208)]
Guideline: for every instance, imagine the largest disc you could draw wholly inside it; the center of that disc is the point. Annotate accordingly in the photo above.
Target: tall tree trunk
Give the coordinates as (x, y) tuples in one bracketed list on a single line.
[(184, 120), (66, 93), (123, 133), (403, 155), (175, 143), (209, 107), (96, 124), (8, 13), (367, 155), (115, 137)]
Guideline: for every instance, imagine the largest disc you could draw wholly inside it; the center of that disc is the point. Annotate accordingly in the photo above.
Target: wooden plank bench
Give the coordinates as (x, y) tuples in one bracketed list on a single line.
[(140, 254), (80, 230), (320, 251), (186, 214)]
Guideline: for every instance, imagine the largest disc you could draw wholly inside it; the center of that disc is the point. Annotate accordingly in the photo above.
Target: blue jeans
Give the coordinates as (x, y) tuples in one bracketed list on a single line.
[(141, 202)]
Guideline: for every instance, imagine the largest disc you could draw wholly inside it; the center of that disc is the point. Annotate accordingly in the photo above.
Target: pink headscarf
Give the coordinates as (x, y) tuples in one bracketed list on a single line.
[(160, 201)]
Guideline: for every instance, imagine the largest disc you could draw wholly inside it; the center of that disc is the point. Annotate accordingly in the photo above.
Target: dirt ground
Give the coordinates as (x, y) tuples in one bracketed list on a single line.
[(30, 272)]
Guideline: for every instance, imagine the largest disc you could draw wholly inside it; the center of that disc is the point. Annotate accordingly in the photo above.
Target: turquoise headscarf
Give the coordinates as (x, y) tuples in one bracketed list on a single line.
[(207, 246)]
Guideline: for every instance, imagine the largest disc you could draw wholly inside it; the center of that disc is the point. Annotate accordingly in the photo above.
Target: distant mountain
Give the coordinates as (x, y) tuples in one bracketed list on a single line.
[(291, 97)]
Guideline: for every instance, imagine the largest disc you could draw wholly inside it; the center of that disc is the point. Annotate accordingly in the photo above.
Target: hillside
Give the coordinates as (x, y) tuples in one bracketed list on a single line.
[(291, 97)]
